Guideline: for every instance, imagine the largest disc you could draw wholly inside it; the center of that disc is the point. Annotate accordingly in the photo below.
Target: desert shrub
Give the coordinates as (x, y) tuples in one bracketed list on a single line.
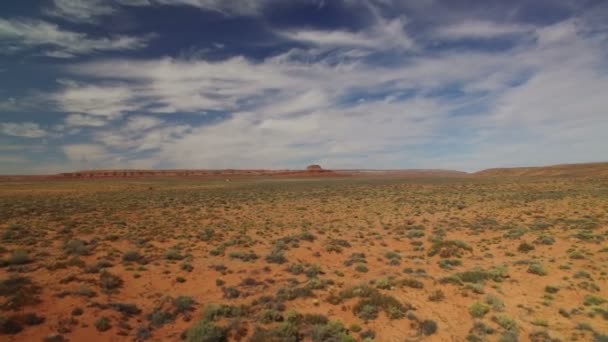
[(295, 269), (593, 300), (231, 292), (551, 289), (384, 283), (206, 234), (15, 232), (33, 319), (537, 268), (392, 255), (541, 336), (544, 240), (479, 330), (525, 247), (355, 258), (143, 333), (78, 247), (428, 327), (496, 303), (477, 275), (109, 281), (515, 233), (336, 245), (126, 309), (159, 317), (132, 256), (292, 293), (366, 311), (284, 332), (243, 256), (415, 234), (276, 256), (313, 271), (183, 304), (576, 255), (333, 331), (269, 315), (173, 254), (478, 310), (361, 268), (413, 283), (449, 263), (10, 325), (368, 335), (19, 257), (368, 306), (103, 324), (437, 296), (448, 248), (505, 322), (205, 331), (214, 311), (19, 292)]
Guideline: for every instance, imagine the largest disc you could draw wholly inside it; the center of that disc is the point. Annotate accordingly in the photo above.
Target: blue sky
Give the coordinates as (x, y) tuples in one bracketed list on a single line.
[(453, 84)]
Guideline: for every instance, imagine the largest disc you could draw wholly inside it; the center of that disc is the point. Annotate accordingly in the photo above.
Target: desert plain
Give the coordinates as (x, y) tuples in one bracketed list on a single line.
[(503, 255)]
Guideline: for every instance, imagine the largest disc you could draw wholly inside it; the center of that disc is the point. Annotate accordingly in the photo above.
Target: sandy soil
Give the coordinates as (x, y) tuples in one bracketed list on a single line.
[(444, 259)]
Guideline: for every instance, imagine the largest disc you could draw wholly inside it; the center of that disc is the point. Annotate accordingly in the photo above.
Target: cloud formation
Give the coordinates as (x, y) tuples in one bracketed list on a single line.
[(26, 34), (395, 92), (23, 129)]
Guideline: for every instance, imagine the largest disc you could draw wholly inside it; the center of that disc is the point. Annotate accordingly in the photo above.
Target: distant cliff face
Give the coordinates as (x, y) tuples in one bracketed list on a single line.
[(314, 168)]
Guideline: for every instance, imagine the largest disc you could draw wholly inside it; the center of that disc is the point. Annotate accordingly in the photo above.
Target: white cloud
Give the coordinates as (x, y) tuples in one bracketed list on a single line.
[(80, 10), (110, 101), (286, 111), (480, 29), (142, 123), (382, 36), (229, 7), (23, 129), (76, 120), (21, 34)]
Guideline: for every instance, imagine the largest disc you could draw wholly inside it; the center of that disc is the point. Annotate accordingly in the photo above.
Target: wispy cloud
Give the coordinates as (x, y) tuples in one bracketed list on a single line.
[(383, 35), (78, 120), (393, 91), (285, 110), (85, 11), (26, 34), (477, 29), (23, 129)]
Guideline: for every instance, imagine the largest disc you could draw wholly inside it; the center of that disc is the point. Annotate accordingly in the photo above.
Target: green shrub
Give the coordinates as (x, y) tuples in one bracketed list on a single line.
[(183, 304), (205, 331), (537, 268), (593, 300), (19, 257), (173, 254), (478, 310), (361, 268)]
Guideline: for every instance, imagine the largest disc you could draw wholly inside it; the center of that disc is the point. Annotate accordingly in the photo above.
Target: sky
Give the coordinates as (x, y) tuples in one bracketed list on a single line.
[(174, 84)]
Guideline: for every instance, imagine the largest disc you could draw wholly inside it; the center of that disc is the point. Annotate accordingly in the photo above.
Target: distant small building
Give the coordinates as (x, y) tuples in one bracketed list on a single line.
[(314, 168)]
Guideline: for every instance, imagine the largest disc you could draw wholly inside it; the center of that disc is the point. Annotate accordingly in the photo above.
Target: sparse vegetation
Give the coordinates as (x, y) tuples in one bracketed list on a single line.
[(140, 264)]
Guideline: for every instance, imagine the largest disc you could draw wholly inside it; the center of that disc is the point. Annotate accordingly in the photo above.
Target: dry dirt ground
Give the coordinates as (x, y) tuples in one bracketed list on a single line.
[(353, 259)]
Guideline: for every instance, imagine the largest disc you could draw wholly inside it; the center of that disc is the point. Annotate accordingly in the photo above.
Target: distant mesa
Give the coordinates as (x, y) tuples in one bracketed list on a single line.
[(314, 168)]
